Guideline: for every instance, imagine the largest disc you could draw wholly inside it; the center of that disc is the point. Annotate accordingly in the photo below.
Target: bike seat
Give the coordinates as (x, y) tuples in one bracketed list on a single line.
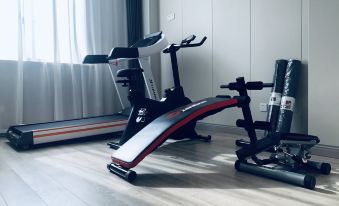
[(129, 72)]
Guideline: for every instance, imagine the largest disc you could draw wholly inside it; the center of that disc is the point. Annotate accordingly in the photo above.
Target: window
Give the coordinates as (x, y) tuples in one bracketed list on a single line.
[(9, 29), (42, 30)]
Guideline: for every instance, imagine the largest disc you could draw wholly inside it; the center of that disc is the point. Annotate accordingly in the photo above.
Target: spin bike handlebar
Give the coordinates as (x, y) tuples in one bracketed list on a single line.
[(186, 43)]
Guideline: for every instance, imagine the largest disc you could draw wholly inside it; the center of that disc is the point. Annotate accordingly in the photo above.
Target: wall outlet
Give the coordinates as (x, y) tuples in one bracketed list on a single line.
[(170, 17), (263, 107)]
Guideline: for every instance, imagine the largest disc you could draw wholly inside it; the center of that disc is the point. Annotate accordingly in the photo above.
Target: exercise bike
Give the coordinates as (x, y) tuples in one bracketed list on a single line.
[(145, 110)]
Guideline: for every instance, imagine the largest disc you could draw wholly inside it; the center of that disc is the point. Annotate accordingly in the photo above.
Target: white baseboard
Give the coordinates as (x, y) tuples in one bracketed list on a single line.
[(320, 150), (326, 151), (3, 135)]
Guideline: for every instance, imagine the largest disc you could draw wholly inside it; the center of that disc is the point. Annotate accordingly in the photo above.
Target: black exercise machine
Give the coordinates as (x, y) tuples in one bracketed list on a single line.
[(145, 110), (289, 153)]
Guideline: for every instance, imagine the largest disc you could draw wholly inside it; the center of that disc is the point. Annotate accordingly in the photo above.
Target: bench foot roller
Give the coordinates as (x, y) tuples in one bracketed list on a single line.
[(126, 174)]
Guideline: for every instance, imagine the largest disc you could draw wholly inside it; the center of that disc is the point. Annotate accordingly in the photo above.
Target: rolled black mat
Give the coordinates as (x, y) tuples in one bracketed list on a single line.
[(289, 95), (275, 99)]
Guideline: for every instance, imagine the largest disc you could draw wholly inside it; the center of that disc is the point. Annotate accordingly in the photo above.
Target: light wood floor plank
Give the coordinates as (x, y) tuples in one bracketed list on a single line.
[(46, 187), (2, 201), (16, 192), (178, 173)]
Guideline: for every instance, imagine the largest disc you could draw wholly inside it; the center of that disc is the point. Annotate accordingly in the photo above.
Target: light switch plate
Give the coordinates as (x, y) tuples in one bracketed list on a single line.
[(263, 107), (170, 17)]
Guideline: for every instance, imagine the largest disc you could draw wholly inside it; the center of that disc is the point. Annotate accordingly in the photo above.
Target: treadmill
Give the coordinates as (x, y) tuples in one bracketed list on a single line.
[(26, 136)]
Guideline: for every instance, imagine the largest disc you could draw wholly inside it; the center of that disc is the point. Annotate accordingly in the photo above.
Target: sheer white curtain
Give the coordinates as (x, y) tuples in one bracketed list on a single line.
[(42, 43)]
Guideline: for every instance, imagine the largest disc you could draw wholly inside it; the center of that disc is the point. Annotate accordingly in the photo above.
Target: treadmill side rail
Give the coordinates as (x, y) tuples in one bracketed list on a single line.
[(25, 136)]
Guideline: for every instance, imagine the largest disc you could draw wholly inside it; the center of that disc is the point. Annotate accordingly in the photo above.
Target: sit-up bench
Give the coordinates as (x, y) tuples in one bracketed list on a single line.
[(152, 136)]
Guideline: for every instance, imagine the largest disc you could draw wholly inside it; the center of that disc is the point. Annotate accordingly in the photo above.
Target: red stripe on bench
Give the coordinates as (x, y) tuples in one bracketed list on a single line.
[(165, 135)]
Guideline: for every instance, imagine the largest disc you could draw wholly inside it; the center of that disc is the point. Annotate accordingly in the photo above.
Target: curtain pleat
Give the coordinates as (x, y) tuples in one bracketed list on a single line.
[(134, 20), (33, 91)]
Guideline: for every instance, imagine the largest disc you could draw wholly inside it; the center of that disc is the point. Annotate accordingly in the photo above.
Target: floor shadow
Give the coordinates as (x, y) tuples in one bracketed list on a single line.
[(224, 176), (327, 191), (193, 149), (215, 181)]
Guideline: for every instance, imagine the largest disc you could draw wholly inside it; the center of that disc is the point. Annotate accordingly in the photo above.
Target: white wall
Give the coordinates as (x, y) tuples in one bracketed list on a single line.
[(231, 50), (244, 39), (173, 31), (197, 74), (324, 70), (275, 34)]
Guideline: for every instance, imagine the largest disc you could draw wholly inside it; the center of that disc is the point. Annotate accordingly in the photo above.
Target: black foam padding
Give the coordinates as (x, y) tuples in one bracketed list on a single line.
[(278, 80), (325, 168), (299, 137), (254, 85), (241, 123), (237, 165), (310, 182), (289, 94), (262, 125)]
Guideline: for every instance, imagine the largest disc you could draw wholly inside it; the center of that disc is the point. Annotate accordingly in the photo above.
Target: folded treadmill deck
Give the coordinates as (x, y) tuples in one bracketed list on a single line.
[(24, 136)]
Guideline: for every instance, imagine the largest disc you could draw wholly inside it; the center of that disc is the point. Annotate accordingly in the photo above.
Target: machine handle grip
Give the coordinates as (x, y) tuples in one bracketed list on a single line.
[(188, 39), (249, 85), (268, 84), (195, 45), (202, 41), (257, 85), (230, 86)]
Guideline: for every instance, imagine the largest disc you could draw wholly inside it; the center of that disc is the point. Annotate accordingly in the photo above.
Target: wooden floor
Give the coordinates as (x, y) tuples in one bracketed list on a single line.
[(180, 173)]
